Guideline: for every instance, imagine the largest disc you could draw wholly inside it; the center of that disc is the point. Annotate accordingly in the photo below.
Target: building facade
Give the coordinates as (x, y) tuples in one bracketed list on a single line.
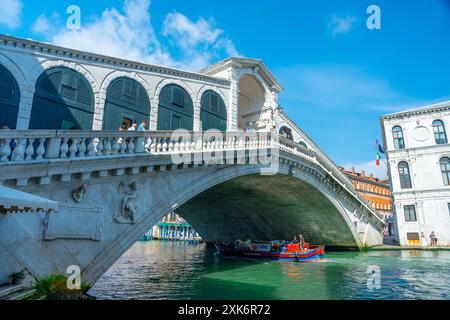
[(418, 153), (378, 193)]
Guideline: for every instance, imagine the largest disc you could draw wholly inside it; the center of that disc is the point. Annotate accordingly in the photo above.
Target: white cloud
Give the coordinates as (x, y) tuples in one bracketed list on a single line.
[(198, 41), (341, 24), (44, 24), (369, 167), (190, 33), (10, 13), (41, 25), (129, 34)]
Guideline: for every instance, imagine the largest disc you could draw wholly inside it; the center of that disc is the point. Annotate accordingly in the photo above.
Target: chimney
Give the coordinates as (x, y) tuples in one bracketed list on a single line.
[(353, 170), (363, 174)]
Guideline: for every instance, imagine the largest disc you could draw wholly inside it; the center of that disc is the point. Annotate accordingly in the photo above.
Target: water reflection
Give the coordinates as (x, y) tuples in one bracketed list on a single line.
[(172, 270)]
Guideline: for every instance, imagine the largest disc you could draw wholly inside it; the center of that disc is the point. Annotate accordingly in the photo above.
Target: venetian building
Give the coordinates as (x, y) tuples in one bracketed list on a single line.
[(377, 192), (416, 143)]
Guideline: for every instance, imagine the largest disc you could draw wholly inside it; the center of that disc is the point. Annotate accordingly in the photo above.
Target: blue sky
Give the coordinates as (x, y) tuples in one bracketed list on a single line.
[(339, 76)]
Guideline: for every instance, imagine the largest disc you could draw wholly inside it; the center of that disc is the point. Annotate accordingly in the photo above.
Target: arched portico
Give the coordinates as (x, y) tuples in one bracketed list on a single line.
[(251, 101)]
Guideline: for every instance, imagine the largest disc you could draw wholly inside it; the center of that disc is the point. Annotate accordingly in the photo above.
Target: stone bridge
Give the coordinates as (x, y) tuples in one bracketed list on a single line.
[(88, 196), (83, 196)]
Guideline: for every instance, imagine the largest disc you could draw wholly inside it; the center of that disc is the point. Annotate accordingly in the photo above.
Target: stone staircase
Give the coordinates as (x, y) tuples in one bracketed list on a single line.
[(15, 292)]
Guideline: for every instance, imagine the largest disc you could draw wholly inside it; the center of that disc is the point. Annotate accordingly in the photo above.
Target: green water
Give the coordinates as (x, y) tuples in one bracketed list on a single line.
[(173, 270)]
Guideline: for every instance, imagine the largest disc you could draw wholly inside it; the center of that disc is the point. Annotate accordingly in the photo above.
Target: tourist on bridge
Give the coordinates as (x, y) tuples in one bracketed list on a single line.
[(133, 127), (143, 126), (250, 127)]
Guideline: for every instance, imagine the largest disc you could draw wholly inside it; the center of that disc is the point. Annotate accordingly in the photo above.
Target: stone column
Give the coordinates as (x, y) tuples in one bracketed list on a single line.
[(233, 100)]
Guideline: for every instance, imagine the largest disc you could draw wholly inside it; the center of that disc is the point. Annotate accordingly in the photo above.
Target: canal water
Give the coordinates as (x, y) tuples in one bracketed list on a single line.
[(173, 270)]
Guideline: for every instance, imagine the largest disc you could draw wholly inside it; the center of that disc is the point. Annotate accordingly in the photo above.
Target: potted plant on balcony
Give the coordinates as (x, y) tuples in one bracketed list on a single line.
[(17, 278)]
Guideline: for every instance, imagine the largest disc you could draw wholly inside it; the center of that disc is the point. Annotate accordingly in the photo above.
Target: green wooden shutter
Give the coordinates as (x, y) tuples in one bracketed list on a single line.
[(62, 96), (125, 99), (213, 113), (175, 109), (9, 99)]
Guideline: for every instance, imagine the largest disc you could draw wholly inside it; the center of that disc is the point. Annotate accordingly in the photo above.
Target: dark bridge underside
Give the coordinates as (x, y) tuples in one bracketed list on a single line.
[(267, 208)]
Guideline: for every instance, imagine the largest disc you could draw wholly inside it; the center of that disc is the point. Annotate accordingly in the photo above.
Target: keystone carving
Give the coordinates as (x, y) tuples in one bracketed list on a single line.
[(79, 193), (129, 206)]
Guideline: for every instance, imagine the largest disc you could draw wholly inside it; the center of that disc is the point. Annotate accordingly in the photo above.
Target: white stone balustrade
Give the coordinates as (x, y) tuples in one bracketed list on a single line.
[(39, 145)]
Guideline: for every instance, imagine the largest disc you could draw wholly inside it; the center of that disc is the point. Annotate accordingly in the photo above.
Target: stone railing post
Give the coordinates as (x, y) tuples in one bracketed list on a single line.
[(53, 148)]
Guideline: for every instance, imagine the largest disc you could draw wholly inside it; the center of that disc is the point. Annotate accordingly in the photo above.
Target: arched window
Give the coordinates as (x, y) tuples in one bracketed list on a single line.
[(214, 112), (286, 132), (175, 110), (9, 99), (439, 132), (405, 177), (127, 102), (445, 170), (397, 134), (303, 144), (63, 100)]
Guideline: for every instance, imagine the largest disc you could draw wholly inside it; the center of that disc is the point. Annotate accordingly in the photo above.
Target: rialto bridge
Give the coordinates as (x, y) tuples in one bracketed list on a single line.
[(74, 190)]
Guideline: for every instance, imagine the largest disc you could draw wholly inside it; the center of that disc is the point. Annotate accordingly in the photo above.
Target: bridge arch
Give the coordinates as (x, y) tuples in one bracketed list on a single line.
[(109, 79), (175, 108), (26, 93), (9, 98), (251, 100), (330, 212), (126, 102), (42, 66), (154, 114), (63, 99), (213, 111)]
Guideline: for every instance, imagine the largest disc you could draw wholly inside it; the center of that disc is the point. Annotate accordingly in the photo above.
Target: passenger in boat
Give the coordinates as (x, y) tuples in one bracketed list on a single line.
[(301, 241), (294, 241)]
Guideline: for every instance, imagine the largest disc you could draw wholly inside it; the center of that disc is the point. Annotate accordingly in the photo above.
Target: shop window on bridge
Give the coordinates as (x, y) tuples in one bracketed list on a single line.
[(404, 174), (301, 143), (9, 99), (63, 100), (127, 102), (410, 213), (397, 134), (445, 170), (213, 112), (439, 132), (175, 109)]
